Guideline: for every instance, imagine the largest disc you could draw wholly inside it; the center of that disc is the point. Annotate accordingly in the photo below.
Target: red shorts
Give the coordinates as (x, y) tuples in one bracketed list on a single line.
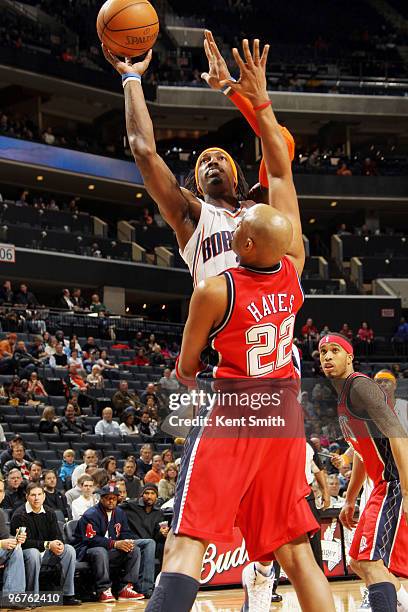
[(257, 484), (382, 532)]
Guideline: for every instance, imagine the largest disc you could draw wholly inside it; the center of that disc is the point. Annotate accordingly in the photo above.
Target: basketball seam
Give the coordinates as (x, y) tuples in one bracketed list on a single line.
[(123, 46), (148, 25), (124, 9)]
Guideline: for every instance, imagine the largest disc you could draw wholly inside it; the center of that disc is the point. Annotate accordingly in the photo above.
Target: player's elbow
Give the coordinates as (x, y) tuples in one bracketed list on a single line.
[(141, 149)]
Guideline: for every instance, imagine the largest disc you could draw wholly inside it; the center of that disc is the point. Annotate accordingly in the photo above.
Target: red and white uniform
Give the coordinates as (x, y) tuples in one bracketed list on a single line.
[(382, 532), (255, 337), (209, 252), (250, 473)]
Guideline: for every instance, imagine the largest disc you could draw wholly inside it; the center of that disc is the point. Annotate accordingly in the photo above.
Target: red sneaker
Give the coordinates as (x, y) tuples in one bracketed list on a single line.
[(106, 596), (129, 594)]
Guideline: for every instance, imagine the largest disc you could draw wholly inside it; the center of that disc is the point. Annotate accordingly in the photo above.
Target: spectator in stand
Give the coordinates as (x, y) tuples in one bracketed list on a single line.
[(149, 392), (343, 170), (87, 499), (15, 491), (310, 335), (334, 488), (24, 362), (103, 538), (132, 482), (141, 359), (75, 359), (110, 466), (167, 456), (147, 522), (369, 167), (16, 391), (6, 293), (90, 345), (36, 469), (48, 136), (104, 363), (44, 539), (123, 398), (65, 302), (346, 331), (144, 463), (90, 457), (49, 423), (54, 498), (18, 461), (7, 454), (156, 358), (72, 423), (75, 492), (68, 465), (75, 379), (107, 426), (400, 338), (7, 347), (50, 344), (37, 349), (147, 429), (24, 297), (89, 361), (77, 300), (128, 427), (35, 386), (168, 383), (167, 485), (156, 473), (11, 556), (365, 338), (59, 359), (96, 304), (95, 379)]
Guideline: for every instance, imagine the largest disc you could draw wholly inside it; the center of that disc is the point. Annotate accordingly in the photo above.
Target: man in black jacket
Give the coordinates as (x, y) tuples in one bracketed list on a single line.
[(16, 490), (73, 424), (55, 499), (44, 536), (147, 522), (11, 556)]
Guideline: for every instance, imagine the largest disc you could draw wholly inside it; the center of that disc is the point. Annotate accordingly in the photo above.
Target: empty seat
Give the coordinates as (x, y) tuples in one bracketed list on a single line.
[(46, 455)]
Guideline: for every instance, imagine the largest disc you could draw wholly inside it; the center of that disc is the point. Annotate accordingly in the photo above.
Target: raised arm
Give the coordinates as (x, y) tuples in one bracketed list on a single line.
[(282, 194), (207, 308), (178, 207)]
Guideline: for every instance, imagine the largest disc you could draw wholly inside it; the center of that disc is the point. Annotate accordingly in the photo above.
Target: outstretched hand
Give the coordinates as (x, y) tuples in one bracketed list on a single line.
[(252, 78), (217, 66), (126, 66)]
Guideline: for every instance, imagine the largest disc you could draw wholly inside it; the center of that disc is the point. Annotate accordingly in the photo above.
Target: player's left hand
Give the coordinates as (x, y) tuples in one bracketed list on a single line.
[(125, 67), (252, 78)]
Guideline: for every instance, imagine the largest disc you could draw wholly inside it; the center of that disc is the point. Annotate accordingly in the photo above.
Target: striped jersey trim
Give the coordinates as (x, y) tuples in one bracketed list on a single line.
[(230, 306)]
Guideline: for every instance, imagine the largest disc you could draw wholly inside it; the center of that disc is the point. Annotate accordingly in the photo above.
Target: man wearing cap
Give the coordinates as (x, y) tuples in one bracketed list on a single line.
[(388, 383), (379, 549), (147, 522), (102, 537)]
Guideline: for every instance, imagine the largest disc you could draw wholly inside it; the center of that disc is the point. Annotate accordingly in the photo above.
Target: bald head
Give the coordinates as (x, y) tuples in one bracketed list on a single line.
[(263, 237)]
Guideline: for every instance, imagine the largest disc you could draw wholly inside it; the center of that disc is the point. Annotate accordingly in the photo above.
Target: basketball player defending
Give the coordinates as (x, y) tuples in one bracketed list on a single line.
[(379, 550), (205, 218)]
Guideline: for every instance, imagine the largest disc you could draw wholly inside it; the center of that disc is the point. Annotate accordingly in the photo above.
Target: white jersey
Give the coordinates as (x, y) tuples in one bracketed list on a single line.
[(208, 252), (401, 410)]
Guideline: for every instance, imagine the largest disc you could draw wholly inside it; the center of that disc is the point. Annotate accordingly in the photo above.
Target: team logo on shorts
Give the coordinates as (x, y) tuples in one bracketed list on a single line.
[(363, 544)]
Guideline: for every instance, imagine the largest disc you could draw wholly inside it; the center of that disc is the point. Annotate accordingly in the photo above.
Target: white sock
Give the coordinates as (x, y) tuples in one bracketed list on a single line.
[(402, 597), (265, 570)]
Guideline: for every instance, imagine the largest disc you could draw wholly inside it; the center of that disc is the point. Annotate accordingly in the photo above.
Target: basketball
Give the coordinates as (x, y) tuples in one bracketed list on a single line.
[(127, 28)]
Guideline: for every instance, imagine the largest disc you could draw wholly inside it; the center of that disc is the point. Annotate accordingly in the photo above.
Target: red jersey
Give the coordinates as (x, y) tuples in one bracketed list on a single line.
[(373, 448), (255, 337)]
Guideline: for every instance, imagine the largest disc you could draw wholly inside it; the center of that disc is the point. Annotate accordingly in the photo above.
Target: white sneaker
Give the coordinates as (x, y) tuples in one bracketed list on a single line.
[(365, 602), (258, 589)]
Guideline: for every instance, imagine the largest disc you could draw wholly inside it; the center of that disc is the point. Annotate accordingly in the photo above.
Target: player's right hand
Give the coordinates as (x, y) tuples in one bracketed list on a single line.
[(346, 516), (126, 67), (217, 66)]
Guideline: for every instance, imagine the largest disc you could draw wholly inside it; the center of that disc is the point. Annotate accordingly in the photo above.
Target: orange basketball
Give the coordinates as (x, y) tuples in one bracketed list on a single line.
[(127, 28)]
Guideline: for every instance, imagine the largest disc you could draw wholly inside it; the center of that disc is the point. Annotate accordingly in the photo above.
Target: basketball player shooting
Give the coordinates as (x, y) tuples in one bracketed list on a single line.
[(226, 309), (205, 216), (379, 551)]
